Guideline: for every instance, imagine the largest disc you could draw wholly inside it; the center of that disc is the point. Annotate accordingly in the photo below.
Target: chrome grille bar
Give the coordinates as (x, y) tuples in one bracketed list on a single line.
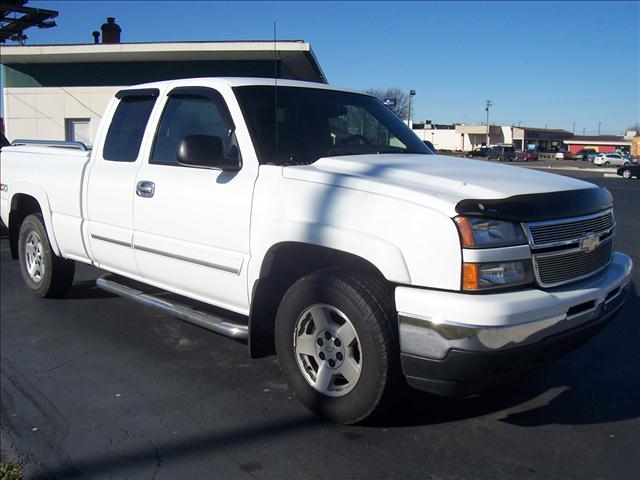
[(560, 250)]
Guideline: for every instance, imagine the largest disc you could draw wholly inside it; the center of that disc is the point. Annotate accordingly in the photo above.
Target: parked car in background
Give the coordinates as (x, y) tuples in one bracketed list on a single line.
[(584, 154), (502, 153), (629, 171), (479, 152), (526, 156), (608, 159)]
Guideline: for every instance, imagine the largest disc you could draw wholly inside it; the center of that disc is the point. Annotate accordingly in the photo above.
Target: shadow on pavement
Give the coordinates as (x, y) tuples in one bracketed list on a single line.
[(114, 463), (86, 290)]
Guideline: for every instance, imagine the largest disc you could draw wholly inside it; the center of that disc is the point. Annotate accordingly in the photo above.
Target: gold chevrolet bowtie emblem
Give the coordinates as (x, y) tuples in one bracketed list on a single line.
[(589, 242)]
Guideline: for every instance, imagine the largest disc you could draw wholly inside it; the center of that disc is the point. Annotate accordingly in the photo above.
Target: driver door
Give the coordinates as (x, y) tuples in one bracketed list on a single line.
[(192, 224)]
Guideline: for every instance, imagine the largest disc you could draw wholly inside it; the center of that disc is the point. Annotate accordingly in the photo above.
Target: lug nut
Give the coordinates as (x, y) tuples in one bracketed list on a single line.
[(321, 355), (337, 342), (320, 341), (327, 335), (332, 363), (339, 356)]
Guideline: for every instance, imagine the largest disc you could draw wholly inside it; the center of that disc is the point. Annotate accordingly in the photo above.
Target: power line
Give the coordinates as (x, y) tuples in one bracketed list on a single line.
[(545, 102)]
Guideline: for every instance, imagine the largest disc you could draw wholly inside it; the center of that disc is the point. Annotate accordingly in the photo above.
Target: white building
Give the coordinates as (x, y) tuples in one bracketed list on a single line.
[(464, 138), (58, 92)]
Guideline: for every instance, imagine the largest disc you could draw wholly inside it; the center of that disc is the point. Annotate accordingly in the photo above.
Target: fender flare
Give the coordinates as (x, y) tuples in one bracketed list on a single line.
[(22, 188), (385, 256)]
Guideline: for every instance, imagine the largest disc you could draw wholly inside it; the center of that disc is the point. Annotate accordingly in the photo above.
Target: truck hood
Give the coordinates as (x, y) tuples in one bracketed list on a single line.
[(435, 181)]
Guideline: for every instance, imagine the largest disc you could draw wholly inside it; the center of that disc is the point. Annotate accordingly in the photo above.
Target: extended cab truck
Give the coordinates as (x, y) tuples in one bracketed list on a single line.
[(332, 235)]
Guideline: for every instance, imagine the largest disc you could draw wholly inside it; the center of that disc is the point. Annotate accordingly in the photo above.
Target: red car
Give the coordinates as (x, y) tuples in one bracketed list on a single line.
[(527, 156)]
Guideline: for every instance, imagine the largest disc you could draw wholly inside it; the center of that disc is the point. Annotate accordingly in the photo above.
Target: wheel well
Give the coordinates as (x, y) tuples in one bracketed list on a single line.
[(21, 207), (283, 265)]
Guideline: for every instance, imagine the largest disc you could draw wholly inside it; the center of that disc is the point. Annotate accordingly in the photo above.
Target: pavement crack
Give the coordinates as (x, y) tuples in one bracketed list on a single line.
[(66, 362)]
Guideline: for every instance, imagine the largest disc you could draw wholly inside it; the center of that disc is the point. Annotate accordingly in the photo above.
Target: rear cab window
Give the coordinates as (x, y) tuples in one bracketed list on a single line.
[(128, 124)]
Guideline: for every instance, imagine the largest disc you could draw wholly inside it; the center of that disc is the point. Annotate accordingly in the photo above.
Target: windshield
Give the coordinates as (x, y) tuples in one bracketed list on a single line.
[(315, 123)]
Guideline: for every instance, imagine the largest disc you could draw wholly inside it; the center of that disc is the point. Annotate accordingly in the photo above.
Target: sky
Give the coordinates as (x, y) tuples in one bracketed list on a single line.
[(540, 63)]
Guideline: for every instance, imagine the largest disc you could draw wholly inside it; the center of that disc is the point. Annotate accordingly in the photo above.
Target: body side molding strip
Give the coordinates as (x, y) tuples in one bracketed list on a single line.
[(235, 271), (111, 240)]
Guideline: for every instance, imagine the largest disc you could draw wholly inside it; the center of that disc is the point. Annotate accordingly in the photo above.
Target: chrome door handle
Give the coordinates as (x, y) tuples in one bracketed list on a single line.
[(145, 189)]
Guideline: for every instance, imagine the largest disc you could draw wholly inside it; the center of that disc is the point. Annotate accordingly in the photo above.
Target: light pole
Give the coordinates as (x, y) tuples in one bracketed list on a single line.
[(599, 125), (411, 94), (574, 128), (488, 105)]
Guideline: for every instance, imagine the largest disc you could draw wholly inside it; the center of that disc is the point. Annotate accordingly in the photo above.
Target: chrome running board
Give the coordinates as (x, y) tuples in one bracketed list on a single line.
[(179, 310)]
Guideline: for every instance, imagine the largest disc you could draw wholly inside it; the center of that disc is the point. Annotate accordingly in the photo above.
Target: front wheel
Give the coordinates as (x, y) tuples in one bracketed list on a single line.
[(605, 164), (46, 274), (626, 173), (336, 344)]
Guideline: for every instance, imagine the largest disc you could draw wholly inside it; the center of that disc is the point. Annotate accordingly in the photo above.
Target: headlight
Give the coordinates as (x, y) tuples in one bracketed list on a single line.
[(480, 232), (486, 276)]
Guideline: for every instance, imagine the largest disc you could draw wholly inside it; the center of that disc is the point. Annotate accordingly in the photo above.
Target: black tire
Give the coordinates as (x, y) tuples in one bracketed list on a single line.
[(605, 164), (57, 273), (369, 307), (626, 174)]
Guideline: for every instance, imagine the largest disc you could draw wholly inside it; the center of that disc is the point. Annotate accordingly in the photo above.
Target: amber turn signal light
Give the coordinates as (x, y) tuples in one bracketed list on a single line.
[(466, 233), (470, 276)]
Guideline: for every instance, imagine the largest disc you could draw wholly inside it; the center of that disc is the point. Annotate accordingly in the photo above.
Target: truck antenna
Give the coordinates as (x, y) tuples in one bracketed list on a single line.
[(275, 90)]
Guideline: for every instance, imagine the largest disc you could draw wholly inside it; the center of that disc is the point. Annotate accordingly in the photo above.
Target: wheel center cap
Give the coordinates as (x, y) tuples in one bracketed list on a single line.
[(329, 349)]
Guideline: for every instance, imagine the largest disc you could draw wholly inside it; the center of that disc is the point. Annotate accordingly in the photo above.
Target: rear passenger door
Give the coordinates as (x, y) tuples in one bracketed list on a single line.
[(111, 181), (192, 225)]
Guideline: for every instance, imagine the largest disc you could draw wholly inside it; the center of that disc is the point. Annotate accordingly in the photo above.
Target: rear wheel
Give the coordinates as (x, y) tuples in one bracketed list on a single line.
[(626, 173), (46, 274), (336, 344)]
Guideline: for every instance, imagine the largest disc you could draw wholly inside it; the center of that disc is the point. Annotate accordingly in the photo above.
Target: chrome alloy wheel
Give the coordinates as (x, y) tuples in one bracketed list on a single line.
[(33, 251), (327, 350)]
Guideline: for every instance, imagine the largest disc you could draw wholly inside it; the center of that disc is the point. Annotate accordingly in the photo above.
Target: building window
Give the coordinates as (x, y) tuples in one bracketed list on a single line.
[(78, 130)]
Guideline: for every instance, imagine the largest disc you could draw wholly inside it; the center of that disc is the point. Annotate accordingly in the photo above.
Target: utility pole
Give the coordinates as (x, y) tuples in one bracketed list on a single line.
[(599, 125), (488, 105), (411, 94), (583, 132), (574, 128)]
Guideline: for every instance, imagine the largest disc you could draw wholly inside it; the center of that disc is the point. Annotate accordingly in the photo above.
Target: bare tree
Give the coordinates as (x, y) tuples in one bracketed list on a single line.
[(635, 127), (402, 99)]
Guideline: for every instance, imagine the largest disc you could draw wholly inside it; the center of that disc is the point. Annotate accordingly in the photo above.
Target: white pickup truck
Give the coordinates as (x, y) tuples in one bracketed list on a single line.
[(327, 230)]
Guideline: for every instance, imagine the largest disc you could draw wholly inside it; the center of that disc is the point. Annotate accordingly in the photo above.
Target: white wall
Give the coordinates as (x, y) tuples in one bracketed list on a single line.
[(441, 139), (40, 113)]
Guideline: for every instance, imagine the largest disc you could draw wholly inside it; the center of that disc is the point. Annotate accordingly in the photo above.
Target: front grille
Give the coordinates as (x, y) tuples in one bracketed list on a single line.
[(573, 229), (556, 269), (560, 248)]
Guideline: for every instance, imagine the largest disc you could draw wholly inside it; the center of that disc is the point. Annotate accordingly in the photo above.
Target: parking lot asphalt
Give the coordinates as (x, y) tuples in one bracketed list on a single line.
[(94, 386)]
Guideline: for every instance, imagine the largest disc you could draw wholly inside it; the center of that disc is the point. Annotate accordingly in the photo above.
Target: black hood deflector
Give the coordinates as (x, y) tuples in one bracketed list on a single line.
[(540, 206)]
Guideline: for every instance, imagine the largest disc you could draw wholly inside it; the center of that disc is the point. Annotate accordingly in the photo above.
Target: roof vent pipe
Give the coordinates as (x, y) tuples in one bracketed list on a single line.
[(110, 31)]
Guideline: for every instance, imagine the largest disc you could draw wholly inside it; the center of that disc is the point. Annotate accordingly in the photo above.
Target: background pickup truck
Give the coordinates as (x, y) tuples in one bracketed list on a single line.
[(324, 231)]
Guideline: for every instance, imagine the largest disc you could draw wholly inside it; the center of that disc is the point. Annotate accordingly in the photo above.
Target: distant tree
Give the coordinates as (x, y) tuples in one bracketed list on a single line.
[(402, 99), (635, 127)]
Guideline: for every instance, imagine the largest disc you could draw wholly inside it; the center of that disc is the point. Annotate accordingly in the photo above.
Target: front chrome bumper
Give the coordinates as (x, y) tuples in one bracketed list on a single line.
[(440, 328)]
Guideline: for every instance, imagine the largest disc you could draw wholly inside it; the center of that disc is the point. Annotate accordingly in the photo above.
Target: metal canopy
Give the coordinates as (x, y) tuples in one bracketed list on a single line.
[(15, 18)]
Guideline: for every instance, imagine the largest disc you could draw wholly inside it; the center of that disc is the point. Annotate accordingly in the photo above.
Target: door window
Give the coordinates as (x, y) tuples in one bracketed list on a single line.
[(184, 116)]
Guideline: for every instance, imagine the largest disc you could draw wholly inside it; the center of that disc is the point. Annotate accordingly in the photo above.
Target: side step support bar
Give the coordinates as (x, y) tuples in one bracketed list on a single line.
[(179, 310)]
